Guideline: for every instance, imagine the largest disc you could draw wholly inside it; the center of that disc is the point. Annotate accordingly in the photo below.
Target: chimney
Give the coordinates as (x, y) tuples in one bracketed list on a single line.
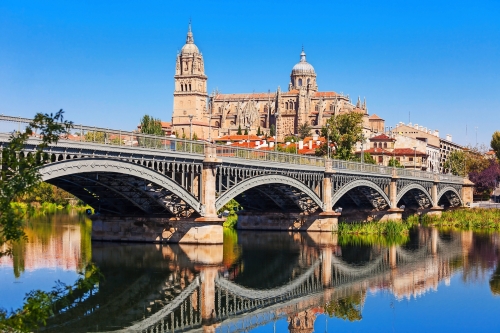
[(310, 144), (416, 126), (448, 137), (271, 144), (436, 133), (301, 144), (257, 143)]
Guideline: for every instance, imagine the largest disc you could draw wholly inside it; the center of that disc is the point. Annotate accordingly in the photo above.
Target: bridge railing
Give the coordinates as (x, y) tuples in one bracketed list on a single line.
[(270, 156), (106, 136)]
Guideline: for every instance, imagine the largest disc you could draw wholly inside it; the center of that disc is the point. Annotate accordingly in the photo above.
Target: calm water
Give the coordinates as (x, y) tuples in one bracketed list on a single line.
[(265, 282)]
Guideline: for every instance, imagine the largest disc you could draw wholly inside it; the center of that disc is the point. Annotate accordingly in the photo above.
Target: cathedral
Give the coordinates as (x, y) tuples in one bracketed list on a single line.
[(210, 117)]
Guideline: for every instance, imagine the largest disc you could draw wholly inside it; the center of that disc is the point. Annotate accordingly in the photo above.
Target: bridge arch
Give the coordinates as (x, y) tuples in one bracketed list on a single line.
[(452, 190), (266, 180), (357, 184), (65, 168), (412, 187)]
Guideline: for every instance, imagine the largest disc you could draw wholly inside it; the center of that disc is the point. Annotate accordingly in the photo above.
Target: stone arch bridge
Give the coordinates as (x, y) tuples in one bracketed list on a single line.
[(145, 177)]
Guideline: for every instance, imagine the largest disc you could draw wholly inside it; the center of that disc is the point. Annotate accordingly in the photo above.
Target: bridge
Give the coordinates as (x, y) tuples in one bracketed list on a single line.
[(151, 188)]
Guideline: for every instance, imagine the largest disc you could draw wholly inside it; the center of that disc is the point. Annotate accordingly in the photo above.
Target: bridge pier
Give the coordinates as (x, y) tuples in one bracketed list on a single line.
[(394, 213)]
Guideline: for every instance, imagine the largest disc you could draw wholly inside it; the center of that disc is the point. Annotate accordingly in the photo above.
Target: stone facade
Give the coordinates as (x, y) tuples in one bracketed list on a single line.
[(222, 114)]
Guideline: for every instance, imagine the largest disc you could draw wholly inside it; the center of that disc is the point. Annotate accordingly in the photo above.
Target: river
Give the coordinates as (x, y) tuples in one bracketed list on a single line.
[(432, 280)]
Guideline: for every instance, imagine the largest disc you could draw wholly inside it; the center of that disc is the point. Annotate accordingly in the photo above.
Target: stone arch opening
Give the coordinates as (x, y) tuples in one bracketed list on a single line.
[(361, 195), (414, 196)]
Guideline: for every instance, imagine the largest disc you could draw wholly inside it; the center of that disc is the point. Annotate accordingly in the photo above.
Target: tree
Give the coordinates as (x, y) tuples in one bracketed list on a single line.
[(195, 137), (304, 130), (272, 130), (486, 180), (19, 174), (239, 130), (394, 163), (344, 131), (259, 133), (346, 308), (462, 163), (95, 136), (495, 143), (367, 158), (246, 131), (150, 125)]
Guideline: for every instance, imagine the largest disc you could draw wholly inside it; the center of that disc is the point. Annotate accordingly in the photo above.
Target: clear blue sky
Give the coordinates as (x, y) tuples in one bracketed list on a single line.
[(107, 63)]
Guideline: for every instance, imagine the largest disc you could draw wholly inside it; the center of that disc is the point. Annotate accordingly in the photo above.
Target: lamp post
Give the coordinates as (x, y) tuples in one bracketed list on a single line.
[(362, 148), (327, 141), (190, 127), (276, 115), (415, 158)]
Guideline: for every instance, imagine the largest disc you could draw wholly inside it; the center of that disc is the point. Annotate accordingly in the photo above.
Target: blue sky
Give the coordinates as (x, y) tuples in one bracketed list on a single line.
[(107, 63)]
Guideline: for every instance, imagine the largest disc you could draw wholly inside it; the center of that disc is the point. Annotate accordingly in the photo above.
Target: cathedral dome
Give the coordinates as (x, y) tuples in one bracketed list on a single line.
[(303, 67), (189, 47)]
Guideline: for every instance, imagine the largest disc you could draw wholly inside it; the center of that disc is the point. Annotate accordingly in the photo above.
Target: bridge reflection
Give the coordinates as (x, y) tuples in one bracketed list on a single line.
[(172, 288)]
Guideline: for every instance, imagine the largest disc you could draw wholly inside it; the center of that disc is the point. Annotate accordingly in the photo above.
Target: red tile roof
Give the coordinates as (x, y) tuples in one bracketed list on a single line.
[(251, 137), (397, 152), (374, 117), (325, 94), (382, 137)]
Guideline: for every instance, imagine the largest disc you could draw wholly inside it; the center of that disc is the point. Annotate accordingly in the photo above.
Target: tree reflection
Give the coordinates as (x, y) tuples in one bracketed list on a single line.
[(348, 308)]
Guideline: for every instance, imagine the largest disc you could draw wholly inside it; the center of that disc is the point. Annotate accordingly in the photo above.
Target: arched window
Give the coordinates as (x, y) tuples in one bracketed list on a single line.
[(217, 124), (308, 81), (182, 87), (220, 109), (300, 82), (262, 123), (316, 108), (313, 122), (190, 87), (292, 107), (286, 105), (385, 144)]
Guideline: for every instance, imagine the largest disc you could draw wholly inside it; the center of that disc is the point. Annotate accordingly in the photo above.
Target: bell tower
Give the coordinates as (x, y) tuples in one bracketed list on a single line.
[(190, 92)]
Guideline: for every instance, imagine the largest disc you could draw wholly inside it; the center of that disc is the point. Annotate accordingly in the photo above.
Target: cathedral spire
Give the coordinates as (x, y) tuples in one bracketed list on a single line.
[(189, 39), (358, 103)]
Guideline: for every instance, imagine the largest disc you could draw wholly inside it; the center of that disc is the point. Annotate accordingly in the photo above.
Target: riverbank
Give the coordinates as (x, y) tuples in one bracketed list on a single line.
[(36, 209), (475, 218)]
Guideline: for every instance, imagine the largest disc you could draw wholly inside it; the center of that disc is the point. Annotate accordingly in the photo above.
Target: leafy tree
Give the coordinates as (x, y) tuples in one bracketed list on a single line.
[(259, 133), (151, 125), (239, 130), (291, 138), (45, 192), (495, 143), (272, 130), (367, 158), (462, 163), (486, 180), (344, 131), (304, 130), (95, 136), (19, 175), (395, 163)]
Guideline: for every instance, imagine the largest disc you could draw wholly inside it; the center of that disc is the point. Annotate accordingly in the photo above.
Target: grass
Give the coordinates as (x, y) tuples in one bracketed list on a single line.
[(375, 228), (470, 219)]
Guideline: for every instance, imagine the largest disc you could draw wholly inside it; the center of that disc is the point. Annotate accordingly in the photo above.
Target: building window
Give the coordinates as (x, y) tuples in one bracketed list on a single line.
[(313, 122), (411, 159), (381, 159), (300, 82), (385, 144), (316, 108), (182, 87), (286, 105), (217, 124), (331, 107)]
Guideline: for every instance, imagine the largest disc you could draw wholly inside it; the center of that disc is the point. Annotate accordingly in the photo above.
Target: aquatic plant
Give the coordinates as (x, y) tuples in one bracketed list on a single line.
[(374, 228)]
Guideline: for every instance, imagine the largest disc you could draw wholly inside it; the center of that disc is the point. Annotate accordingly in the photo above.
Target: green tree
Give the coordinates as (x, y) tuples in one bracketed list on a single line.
[(239, 130), (304, 130), (19, 174), (246, 131), (495, 143), (344, 131), (195, 137), (367, 158), (151, 125), (95, 136), (272, 130), (455, 163), (259, 132), (395, 163)]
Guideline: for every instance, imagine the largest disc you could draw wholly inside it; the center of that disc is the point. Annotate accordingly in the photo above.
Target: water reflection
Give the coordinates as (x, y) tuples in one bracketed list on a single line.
[(257, 279), (55, 241)]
